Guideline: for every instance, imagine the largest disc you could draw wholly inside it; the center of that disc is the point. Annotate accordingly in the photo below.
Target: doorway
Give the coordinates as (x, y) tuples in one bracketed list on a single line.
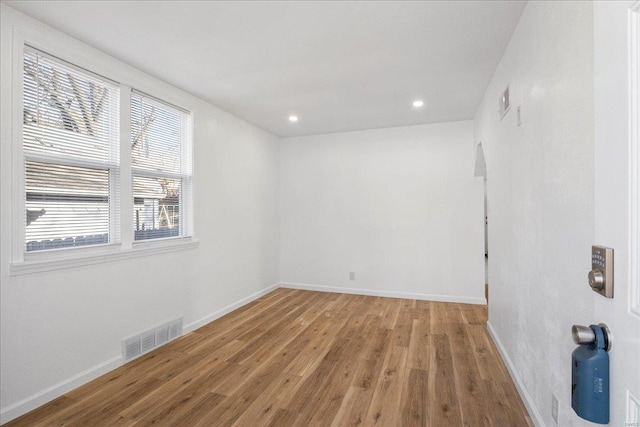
[(481, 171)]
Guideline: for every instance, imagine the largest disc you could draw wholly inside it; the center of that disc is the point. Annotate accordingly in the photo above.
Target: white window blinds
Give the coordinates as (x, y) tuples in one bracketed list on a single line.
[(71, 153), (161, 166)]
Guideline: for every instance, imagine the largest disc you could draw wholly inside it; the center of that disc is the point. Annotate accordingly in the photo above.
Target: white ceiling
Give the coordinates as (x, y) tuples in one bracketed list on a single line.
[(339, 66)]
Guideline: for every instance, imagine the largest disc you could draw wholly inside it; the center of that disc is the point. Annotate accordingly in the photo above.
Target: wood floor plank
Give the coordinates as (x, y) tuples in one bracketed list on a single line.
[(239, 401), (111, 406), (319, 342), (284, 418), (204, 336), (300, 358), (199, 409), (489, 363), (203, 373), (305, 399), (390, 313), (355, 405), (177, 404), (466, 371), (491, 392), (254, 328), (261, 411), (469, 390), (316, 340), (385, 403), (403, 325), (415, 397), (317, 373), (475, 314), (114, 379), (443, 403), (239, 332), (456, 330), (438, 317), (279, 332), (479, 348), (353, 408), (234, 406), (248, 311), (256, 352), (421, 311), (419, 345), (506, 412), (337, 384), (80, 410), (372, 357)]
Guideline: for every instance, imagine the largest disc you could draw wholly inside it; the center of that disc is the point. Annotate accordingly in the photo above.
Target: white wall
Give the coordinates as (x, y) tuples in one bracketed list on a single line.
[(61, 328), (400, 207), (540, 191)]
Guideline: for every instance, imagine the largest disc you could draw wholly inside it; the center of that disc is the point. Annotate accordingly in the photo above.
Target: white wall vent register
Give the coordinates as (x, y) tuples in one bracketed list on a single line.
[(146, 341)]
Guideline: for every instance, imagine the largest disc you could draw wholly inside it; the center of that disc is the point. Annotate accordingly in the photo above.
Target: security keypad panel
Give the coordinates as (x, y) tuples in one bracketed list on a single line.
[(601, 274)]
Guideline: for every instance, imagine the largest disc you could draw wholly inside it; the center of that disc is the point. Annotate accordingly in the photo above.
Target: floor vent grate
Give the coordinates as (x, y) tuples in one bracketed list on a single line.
[(146, 341)]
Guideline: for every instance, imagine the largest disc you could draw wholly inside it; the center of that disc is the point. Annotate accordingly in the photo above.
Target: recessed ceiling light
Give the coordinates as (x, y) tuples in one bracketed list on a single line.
[(418, 103), (293, 118)]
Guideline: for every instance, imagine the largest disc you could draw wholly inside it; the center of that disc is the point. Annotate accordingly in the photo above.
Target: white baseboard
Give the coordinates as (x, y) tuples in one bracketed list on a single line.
[(380, 293), (38, 399), (524, 394), (32, 402), (228, 309)]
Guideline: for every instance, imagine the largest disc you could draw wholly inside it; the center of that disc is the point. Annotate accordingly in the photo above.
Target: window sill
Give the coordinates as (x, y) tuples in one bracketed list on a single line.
[(46, 263)]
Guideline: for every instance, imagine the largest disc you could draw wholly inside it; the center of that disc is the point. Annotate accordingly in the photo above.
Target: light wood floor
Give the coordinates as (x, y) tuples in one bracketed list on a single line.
[(299, 358)]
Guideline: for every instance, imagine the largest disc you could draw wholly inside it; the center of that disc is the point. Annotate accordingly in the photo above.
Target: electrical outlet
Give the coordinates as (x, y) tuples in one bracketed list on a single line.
[(554, 408), (352, 275)]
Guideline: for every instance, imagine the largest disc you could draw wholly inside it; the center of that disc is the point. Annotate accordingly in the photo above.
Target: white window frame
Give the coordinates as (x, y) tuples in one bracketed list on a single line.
[(185, 174), (23, 262), (112, 166)]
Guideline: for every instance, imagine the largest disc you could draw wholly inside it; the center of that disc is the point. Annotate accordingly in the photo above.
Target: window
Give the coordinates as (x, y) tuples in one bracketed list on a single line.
[(161, 168), (72, 157), (71, 154)]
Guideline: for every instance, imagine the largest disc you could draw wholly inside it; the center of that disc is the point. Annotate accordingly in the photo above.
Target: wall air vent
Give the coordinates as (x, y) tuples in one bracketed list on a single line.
[(146, 341), (504, 103), (162, 335), (131, 348)]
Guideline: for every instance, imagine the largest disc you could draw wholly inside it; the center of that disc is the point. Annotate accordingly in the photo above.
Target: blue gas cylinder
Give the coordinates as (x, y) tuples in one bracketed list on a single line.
[(590, 379)]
